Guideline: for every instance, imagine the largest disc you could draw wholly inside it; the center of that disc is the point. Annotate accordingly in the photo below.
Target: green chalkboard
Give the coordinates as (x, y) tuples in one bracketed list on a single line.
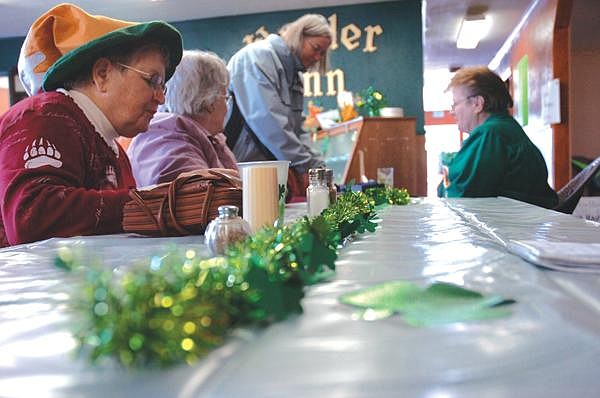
[(9, 53)]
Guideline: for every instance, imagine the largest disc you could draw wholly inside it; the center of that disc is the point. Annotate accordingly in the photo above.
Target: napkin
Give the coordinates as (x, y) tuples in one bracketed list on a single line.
[(562, 256)]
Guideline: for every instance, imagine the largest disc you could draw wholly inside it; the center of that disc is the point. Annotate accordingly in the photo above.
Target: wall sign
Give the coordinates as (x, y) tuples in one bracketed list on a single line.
[(522, 90), (375, 44)]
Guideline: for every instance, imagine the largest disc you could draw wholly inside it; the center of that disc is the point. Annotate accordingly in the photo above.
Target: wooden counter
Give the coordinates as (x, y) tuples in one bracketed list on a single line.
[(385, 142)]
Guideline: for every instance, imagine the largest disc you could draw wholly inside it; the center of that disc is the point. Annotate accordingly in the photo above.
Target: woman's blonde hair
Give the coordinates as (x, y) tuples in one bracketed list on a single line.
[(309, 25)]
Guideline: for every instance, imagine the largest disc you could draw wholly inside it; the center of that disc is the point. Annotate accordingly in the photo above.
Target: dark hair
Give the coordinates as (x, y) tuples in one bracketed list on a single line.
[(122, 53), (480, 80)]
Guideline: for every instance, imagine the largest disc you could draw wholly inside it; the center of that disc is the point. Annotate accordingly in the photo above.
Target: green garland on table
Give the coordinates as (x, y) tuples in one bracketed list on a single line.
[(387, 195), (177, 307)]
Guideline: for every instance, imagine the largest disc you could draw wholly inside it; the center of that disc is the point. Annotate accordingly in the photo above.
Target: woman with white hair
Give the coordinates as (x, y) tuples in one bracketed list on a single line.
[(187, 134), (266, 81)]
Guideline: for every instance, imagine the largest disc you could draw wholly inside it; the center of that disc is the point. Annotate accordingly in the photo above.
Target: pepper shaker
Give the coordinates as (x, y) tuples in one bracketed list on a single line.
[(226, 229), (330, 185)]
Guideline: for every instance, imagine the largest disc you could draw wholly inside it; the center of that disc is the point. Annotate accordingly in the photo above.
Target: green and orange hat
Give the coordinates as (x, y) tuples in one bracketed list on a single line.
[(65, 38)]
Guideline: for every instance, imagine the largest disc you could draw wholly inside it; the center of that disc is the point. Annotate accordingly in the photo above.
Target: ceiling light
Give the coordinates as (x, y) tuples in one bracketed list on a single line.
[(472, 29)]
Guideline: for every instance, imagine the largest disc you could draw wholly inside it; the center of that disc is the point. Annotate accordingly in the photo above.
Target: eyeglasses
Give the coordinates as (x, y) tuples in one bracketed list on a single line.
[(155, 81), (317, 48), (455, 104)]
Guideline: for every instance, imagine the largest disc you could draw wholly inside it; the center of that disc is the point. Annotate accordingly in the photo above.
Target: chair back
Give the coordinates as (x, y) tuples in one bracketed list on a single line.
[(570, 194)]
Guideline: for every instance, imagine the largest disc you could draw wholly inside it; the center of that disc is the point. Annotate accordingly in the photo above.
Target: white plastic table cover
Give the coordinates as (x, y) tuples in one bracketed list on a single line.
[(548, 347)]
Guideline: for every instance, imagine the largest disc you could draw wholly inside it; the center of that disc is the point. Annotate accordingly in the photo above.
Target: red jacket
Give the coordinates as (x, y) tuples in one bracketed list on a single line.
[(58, 177)]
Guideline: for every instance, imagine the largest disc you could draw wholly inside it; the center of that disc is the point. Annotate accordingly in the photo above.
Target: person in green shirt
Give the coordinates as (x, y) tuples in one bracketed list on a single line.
[(498, 159)]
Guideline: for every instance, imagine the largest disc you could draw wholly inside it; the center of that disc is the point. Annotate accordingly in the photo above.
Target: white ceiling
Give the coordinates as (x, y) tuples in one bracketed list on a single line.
[(17, 15), (442, 19)]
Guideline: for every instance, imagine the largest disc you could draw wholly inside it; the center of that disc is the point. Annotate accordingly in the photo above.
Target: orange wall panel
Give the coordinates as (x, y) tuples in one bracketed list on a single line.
[(4, 100), (439, 117)]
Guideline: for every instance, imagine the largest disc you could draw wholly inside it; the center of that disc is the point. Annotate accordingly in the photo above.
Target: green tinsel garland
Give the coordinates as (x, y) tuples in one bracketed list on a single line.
[(177, 307)]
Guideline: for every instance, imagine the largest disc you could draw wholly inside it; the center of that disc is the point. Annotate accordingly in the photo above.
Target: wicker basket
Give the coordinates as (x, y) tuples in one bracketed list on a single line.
[(183, 206)]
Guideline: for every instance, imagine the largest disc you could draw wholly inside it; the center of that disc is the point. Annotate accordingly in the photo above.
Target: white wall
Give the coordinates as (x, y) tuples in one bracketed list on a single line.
[(438, 139)]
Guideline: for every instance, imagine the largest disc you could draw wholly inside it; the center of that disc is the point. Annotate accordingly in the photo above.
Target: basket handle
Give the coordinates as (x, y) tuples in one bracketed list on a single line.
[(167, 210), (135, 196)]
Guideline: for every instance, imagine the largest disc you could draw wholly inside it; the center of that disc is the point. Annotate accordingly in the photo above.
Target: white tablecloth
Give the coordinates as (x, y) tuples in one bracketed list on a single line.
[(548, 347)]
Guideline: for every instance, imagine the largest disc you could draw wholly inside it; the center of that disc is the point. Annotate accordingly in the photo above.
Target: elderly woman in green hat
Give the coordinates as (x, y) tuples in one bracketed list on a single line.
[(91, 80)]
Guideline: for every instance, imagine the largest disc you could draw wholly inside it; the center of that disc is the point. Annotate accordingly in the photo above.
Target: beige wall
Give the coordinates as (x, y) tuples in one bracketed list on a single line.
[(584, 112)]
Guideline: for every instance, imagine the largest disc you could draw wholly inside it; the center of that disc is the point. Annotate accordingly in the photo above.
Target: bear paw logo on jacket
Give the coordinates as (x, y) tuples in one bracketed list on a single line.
[(41, 154)]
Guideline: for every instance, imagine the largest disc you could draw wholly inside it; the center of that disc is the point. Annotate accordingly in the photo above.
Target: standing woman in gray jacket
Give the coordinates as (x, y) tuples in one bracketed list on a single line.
[(267, 85)]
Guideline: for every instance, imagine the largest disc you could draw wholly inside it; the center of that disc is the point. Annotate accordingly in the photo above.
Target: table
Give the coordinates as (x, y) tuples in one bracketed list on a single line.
[(549, 346)]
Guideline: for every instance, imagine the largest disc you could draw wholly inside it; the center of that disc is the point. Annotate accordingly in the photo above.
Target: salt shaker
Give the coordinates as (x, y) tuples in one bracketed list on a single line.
[(225, 229), (330, 185), (317, 193)]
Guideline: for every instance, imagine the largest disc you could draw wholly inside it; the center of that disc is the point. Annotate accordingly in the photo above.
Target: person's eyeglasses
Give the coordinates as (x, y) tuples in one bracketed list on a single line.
[(155, 81), (317, 48), (455, 104)]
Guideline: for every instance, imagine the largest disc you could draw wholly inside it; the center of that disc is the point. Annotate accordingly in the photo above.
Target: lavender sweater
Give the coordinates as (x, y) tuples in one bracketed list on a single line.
[(175, 144)]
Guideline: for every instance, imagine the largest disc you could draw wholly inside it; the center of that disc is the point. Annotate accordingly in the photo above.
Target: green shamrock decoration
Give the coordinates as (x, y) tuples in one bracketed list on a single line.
[(438, 304)]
